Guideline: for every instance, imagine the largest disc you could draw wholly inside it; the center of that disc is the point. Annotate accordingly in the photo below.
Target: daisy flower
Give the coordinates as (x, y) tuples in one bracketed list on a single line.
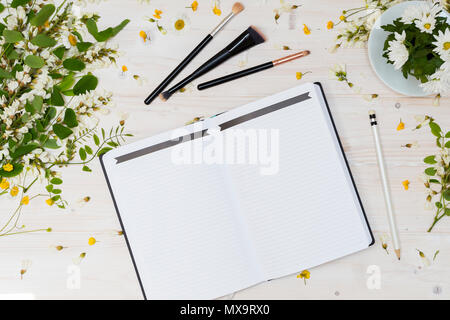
[(443, 45), (180, 24), (397, 51), (426, 24)]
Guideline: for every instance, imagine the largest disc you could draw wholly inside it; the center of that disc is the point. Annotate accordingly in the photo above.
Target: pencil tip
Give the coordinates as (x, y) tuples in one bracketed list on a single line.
[(397, 253), (164, 96)]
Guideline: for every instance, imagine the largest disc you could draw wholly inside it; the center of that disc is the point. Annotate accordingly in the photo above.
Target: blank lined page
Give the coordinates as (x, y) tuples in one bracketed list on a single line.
[(179, 219), (307, 213)]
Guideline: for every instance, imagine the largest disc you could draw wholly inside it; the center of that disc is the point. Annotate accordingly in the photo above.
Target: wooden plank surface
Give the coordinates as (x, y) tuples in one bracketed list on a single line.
[(107, 271)]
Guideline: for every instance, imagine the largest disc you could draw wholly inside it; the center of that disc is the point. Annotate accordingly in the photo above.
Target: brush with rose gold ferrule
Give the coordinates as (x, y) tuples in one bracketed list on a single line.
[(252, 70), (237, 8)]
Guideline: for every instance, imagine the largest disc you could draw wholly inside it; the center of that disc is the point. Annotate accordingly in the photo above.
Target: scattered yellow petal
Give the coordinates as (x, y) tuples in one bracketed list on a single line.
[(143, 35), (25, 200), (400, 126), (330, 25), (216, 10), (50, 202), (306, 30), (72, 40), (87, 199), (59, 248), (92, 241), (8, 167), (124, 68), (305, 274), (4, 184), (405, 184), (14, 191), (157, 14), (299, 75), (194, 6)]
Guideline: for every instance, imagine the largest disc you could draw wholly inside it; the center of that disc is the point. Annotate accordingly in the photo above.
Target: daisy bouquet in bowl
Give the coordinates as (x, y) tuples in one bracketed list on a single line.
[(49, 98), (418, 45)]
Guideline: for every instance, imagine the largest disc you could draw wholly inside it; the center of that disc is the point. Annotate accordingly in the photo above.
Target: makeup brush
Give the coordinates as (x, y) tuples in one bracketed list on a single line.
[(249, 38), (237, 8), (252, 70)]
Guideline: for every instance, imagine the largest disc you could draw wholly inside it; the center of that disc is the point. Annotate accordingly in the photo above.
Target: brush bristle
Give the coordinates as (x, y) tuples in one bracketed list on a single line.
[(237, 7), (258, 37), (371, 112), (164, 96)]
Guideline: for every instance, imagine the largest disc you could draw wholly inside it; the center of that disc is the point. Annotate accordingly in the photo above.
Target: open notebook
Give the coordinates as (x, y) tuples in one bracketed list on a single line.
[(202, 221)]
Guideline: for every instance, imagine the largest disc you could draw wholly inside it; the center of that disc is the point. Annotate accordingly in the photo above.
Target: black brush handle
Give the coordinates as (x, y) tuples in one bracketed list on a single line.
[(178, 69), (235, 76)]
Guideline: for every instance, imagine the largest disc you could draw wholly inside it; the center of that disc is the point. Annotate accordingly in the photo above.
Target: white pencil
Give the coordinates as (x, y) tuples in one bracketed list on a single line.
[(384, 180)]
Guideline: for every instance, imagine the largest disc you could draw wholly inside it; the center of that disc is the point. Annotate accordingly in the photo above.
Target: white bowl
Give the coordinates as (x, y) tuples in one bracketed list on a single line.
[(385, 71)]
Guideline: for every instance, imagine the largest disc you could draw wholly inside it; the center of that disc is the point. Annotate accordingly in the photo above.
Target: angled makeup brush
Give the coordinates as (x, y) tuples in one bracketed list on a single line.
[(249, 38), (237, 8), (252, 70)]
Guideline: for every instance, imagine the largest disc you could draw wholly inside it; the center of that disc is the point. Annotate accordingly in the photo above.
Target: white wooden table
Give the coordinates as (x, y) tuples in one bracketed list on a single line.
[(107, 271)]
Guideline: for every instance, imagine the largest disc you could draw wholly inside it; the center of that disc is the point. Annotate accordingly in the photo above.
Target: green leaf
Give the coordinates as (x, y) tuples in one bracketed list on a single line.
[(447, 135), (447, 211), (96, 140), (34, 61), (85, 84), (5, 74), (120, 27), (84, 46), (49, 188), (43, 15), (87, 169), (70, 118), (436, 129), (23, 150), (12, 36), (57, 191), (56, 181), (430, 171), (18, 3), (103, 151), (438, 205), (82, 154), (43, 41), (447, 144), (18, 168), (74, 64), (56, 98), (430, 160), (61, 131), (88, 149), (2, 7), (59, 52), (447, 194), (51, 144), (37, 103), (66, 83)]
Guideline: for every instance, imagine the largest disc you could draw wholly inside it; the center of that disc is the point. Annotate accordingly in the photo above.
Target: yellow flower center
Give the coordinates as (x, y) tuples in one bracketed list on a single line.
[(427, 26), (72, 40), (50, 202), (157, 14), (25, 200), (306, 29), (92, 241), (179, 24), (405, 184), (342, 18), (447, 45), (330, 25), (8, 167), (4, 184), (14, 191), (124, 69)]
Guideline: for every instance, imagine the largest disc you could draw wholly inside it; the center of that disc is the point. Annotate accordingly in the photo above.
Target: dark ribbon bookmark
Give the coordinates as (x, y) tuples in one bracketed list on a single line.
[(223, 126)]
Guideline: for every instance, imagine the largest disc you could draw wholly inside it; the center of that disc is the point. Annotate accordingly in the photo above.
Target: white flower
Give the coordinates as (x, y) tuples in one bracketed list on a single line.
[(426, 24), (438, 83), (411, 14), (180, 24), (397, 51), (443, 45)]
